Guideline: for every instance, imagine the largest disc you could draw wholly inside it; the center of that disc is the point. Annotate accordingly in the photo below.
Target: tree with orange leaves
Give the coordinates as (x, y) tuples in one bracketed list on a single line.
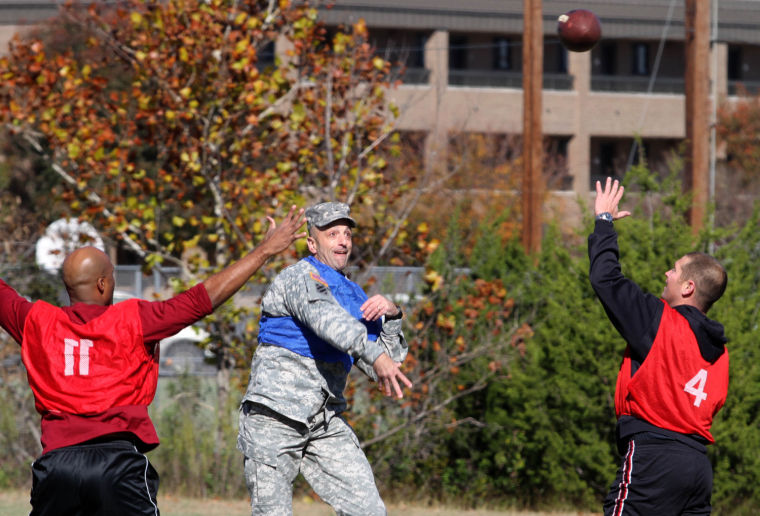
[(167, 128), (738, 129), (170, 134), (737, 180)]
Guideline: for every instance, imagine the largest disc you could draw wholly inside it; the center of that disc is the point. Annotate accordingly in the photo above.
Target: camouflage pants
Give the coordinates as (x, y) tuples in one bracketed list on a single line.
[(327, 454)]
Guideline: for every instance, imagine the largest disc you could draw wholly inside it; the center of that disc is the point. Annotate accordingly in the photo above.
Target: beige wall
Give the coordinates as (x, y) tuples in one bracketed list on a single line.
[(580, 114), (6, 33)]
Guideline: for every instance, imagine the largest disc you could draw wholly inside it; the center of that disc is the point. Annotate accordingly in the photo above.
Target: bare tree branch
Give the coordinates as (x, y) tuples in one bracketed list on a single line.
[(480, 385)]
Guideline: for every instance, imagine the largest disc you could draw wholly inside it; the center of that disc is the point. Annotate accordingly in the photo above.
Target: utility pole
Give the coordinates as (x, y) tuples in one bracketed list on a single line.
[(533, 60), (697, 85)]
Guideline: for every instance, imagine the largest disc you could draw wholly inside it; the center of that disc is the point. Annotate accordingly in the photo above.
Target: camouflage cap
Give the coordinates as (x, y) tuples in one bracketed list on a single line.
[(324, 213)]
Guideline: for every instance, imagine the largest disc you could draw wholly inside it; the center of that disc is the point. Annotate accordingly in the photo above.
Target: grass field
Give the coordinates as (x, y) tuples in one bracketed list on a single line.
[(16, 503)]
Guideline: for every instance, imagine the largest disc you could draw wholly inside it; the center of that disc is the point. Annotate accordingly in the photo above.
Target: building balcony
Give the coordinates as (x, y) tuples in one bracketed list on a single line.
[(506, 79), (743, 88), (637, 84), (414, 75)]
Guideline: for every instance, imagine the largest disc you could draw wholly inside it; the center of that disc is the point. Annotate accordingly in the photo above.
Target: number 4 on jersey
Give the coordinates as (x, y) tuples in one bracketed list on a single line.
[(696, 387)]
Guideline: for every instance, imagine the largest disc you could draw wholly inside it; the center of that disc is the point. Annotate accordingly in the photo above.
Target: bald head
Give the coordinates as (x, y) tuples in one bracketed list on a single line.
[(88, 276)]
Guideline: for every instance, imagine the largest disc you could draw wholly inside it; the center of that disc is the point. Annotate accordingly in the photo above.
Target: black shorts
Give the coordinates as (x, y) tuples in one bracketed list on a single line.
[(660, 475), (106, 478)]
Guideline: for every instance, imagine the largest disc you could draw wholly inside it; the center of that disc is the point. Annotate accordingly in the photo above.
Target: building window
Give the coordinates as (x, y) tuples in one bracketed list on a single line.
[(417, 54), (458, 53), (734, 63), (640, 59), (607, 159), (562, 60), (502, 54), (607, 57), (555, 168)]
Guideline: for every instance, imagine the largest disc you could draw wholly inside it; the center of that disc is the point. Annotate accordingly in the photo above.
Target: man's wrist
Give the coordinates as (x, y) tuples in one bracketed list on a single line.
[(605, 215), (398, 315)]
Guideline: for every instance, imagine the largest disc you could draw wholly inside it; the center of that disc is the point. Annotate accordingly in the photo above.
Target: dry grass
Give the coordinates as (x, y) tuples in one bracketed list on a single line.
[(14, 503)]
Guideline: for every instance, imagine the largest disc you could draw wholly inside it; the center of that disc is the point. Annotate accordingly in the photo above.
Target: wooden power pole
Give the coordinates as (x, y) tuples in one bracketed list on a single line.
[(697, 79), (533, 60)]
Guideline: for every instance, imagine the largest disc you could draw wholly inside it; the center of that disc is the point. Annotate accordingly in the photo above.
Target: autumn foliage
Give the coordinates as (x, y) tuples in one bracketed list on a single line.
[(176, 126), (739, 131), (170, 133)]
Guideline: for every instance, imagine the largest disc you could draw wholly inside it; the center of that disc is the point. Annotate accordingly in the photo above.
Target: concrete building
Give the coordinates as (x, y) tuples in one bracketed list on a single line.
[(465, 73)]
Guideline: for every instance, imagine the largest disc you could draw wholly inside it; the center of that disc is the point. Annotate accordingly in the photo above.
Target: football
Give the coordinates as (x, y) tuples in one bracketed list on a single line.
[(579, 30)]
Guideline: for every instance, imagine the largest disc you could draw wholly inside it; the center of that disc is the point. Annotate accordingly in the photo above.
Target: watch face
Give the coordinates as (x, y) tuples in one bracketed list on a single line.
[(605, 216)]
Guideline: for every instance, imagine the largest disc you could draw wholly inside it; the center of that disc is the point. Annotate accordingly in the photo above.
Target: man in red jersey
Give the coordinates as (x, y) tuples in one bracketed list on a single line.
[(93, 368), (674, 375)]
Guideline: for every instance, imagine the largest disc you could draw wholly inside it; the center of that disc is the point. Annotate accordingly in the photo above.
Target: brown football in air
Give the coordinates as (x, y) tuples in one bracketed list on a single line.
[(579, 30)]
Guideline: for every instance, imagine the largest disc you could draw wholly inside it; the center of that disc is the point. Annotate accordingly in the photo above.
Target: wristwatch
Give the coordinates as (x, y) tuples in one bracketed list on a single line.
[(605, 215)]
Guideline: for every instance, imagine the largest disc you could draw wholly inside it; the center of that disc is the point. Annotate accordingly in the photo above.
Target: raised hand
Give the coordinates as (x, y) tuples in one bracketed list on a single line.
[(226, 282), (279, 238), (608, 199)]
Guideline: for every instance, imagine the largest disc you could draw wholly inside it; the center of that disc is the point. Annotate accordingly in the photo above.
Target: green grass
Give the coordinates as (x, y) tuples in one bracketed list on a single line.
[(15, 503)]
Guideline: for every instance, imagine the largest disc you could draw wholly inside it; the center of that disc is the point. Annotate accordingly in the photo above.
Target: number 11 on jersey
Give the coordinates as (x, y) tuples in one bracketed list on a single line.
[(84, 346)]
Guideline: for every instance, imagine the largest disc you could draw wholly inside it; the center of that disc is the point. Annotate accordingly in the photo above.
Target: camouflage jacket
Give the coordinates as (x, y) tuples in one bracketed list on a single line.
[(299, 387)]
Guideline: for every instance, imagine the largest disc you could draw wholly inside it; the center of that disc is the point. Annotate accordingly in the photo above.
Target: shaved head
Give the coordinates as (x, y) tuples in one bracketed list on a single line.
[(88, 276)]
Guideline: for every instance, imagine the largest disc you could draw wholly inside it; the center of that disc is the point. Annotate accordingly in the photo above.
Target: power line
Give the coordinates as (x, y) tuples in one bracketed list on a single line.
[(652, 79), (479, 46)]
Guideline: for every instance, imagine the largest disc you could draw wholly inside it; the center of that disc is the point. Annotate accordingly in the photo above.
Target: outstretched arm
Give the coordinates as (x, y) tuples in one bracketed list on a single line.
[(634, 313), (13, 311), (222, 285)]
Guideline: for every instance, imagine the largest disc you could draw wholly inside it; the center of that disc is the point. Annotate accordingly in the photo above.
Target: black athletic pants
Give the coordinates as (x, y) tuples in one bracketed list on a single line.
[(660, 476), (107, 478)]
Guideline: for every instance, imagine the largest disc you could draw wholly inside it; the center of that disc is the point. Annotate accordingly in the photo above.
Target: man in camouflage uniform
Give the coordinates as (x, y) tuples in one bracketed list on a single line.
[(316, 323)]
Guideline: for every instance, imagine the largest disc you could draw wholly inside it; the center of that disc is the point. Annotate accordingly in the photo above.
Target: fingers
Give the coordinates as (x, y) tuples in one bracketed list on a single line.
[(294, 216), (297, 215), (387, 386), (390, 386), (375, 307), (608, 198), (389, 375), (611, 188), (406, 381), (397, 387), (279, 236), (384, 385), (291, 222), (291, 212), (619, 189)]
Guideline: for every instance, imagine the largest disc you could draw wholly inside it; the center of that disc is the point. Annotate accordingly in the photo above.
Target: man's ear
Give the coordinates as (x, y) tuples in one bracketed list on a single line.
[(311, 244), (101, 284), (688, 288)]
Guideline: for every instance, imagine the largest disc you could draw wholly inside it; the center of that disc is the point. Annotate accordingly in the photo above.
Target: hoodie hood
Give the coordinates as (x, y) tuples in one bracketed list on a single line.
[(710, 334)]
